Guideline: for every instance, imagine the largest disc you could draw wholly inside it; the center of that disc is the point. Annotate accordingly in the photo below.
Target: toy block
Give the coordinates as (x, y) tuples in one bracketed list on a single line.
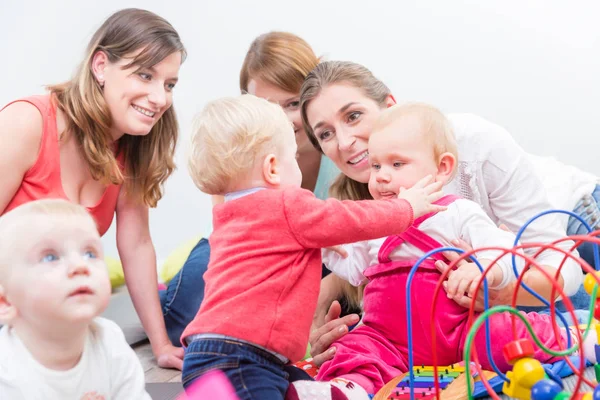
[(517, 349)]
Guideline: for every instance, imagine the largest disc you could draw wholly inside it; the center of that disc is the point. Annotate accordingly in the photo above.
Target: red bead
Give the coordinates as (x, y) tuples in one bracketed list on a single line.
[(517, 349), (597, 309)]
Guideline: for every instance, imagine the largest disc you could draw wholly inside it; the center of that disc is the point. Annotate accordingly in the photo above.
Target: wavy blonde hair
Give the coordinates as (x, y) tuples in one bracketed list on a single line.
[(148, 158), (230, 138)]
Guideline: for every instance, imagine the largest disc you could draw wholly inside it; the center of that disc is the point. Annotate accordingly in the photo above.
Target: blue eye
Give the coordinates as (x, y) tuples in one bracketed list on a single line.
[(376, 167), (89, 254), (50, 257), (145, 76)]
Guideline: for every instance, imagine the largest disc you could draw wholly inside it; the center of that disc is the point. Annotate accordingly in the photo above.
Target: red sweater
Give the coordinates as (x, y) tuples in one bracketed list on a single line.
[(262, 281)]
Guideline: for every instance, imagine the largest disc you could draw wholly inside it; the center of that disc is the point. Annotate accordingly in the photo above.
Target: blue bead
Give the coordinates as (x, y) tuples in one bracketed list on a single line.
[(545, 390), (554, 376), (596, 395)]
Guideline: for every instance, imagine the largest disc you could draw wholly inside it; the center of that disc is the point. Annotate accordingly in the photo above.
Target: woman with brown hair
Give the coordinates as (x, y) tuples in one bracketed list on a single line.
[(105, 139)]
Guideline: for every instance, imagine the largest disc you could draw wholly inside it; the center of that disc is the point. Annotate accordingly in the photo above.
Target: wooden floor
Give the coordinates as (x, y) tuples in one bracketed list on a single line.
[(154, 374)]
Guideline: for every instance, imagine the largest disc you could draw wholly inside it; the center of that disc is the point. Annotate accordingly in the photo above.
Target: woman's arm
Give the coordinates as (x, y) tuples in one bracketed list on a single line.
[(533, 278), (139, 265), (516, 194), (20, 135)]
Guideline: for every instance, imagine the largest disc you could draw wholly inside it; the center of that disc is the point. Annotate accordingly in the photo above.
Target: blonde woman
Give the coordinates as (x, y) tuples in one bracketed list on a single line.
[(105, 139)]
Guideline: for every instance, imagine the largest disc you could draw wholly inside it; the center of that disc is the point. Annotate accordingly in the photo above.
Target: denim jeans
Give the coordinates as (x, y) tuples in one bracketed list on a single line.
[(181, 300), (254, 373), (587, 208)]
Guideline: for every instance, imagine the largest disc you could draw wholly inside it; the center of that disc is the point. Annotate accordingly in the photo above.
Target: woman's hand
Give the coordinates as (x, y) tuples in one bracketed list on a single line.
[(170, 356), (334, 328)]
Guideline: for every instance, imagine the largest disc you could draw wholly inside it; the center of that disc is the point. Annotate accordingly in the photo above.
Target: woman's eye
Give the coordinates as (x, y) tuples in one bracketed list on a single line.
[(145, 76), (324, 135), (293, 105), (354, 116)]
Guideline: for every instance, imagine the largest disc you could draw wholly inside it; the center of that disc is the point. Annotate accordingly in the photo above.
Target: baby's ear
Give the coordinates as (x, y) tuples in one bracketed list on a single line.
[(7, 311), (446, 167), (270, 170)]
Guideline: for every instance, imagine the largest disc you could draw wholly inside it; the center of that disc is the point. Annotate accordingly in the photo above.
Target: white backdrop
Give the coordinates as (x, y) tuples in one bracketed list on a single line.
[(532, 66)]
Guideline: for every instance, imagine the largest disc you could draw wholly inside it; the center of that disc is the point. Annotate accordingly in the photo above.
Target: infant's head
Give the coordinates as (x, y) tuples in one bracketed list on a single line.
[(243, 142), (51, 266), (408, 143)]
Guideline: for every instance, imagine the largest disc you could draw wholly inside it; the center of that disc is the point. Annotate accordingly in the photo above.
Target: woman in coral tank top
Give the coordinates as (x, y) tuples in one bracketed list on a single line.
[(105, 139)]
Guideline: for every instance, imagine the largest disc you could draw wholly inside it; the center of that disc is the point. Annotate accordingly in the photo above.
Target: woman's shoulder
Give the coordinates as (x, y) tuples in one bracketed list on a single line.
[(467, 125), (478, 137), (21, 124)]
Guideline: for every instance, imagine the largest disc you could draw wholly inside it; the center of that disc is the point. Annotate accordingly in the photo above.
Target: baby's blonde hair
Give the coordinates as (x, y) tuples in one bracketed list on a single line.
[(435, 126), (12, 222), (230, 136)]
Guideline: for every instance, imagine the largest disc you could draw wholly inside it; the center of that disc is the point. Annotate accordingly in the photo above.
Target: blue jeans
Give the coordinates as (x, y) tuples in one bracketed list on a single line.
[(587, 208), (181, 300), (254, 373)]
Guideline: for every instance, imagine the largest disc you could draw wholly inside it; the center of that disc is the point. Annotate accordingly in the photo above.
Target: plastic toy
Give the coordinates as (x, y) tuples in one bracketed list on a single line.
[(528, 379)]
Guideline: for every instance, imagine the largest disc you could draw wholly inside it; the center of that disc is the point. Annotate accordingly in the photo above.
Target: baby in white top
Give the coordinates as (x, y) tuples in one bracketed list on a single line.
[(53, 286)]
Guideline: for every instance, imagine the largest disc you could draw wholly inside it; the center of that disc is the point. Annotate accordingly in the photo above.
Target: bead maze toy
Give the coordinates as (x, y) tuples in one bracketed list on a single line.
[(528, 377)]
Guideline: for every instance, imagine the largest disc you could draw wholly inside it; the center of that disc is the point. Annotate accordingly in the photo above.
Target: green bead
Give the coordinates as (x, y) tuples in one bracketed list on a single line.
[(597, 370), (562, 396)]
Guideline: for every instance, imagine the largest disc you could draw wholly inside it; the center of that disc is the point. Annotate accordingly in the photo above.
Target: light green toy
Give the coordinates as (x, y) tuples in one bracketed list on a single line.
[(176, 259), (115, 271)]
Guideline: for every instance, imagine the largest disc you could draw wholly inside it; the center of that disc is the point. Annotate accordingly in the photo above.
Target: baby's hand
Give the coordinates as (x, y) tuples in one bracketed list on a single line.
[(339, 250), (422, 195), (464, 280)]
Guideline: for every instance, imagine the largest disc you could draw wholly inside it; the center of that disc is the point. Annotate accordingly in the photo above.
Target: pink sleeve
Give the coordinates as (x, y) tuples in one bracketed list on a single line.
[(317, 223)]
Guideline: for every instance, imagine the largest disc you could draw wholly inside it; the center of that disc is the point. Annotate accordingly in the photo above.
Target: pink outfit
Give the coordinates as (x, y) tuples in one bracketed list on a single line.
[(376, 352)]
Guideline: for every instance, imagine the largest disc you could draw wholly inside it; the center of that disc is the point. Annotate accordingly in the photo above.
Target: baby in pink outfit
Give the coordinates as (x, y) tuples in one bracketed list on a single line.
[(408, 143)]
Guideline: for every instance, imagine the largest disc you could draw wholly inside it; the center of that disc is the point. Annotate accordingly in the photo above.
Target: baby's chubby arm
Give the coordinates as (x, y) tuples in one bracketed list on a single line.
[(350, 268)]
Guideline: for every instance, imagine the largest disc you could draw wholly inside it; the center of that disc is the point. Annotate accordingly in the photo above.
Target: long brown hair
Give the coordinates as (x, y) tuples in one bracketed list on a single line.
[(328, 73), (148, 158), (279, 58)]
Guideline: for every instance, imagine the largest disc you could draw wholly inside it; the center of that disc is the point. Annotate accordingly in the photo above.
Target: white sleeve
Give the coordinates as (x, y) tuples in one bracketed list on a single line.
[(352, 267), (477, 229), (126, 374), (516, 194)]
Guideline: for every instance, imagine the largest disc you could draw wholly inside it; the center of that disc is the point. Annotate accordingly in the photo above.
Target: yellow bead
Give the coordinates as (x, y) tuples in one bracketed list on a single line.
[(527, 371), (587, 396), (589, 282)]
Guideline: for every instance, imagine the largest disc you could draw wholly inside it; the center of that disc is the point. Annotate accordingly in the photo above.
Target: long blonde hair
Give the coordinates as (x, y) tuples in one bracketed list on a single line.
[(148, 158)]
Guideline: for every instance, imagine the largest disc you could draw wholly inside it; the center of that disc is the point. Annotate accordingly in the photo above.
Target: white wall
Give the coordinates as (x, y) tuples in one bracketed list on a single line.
[(531, 65)]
